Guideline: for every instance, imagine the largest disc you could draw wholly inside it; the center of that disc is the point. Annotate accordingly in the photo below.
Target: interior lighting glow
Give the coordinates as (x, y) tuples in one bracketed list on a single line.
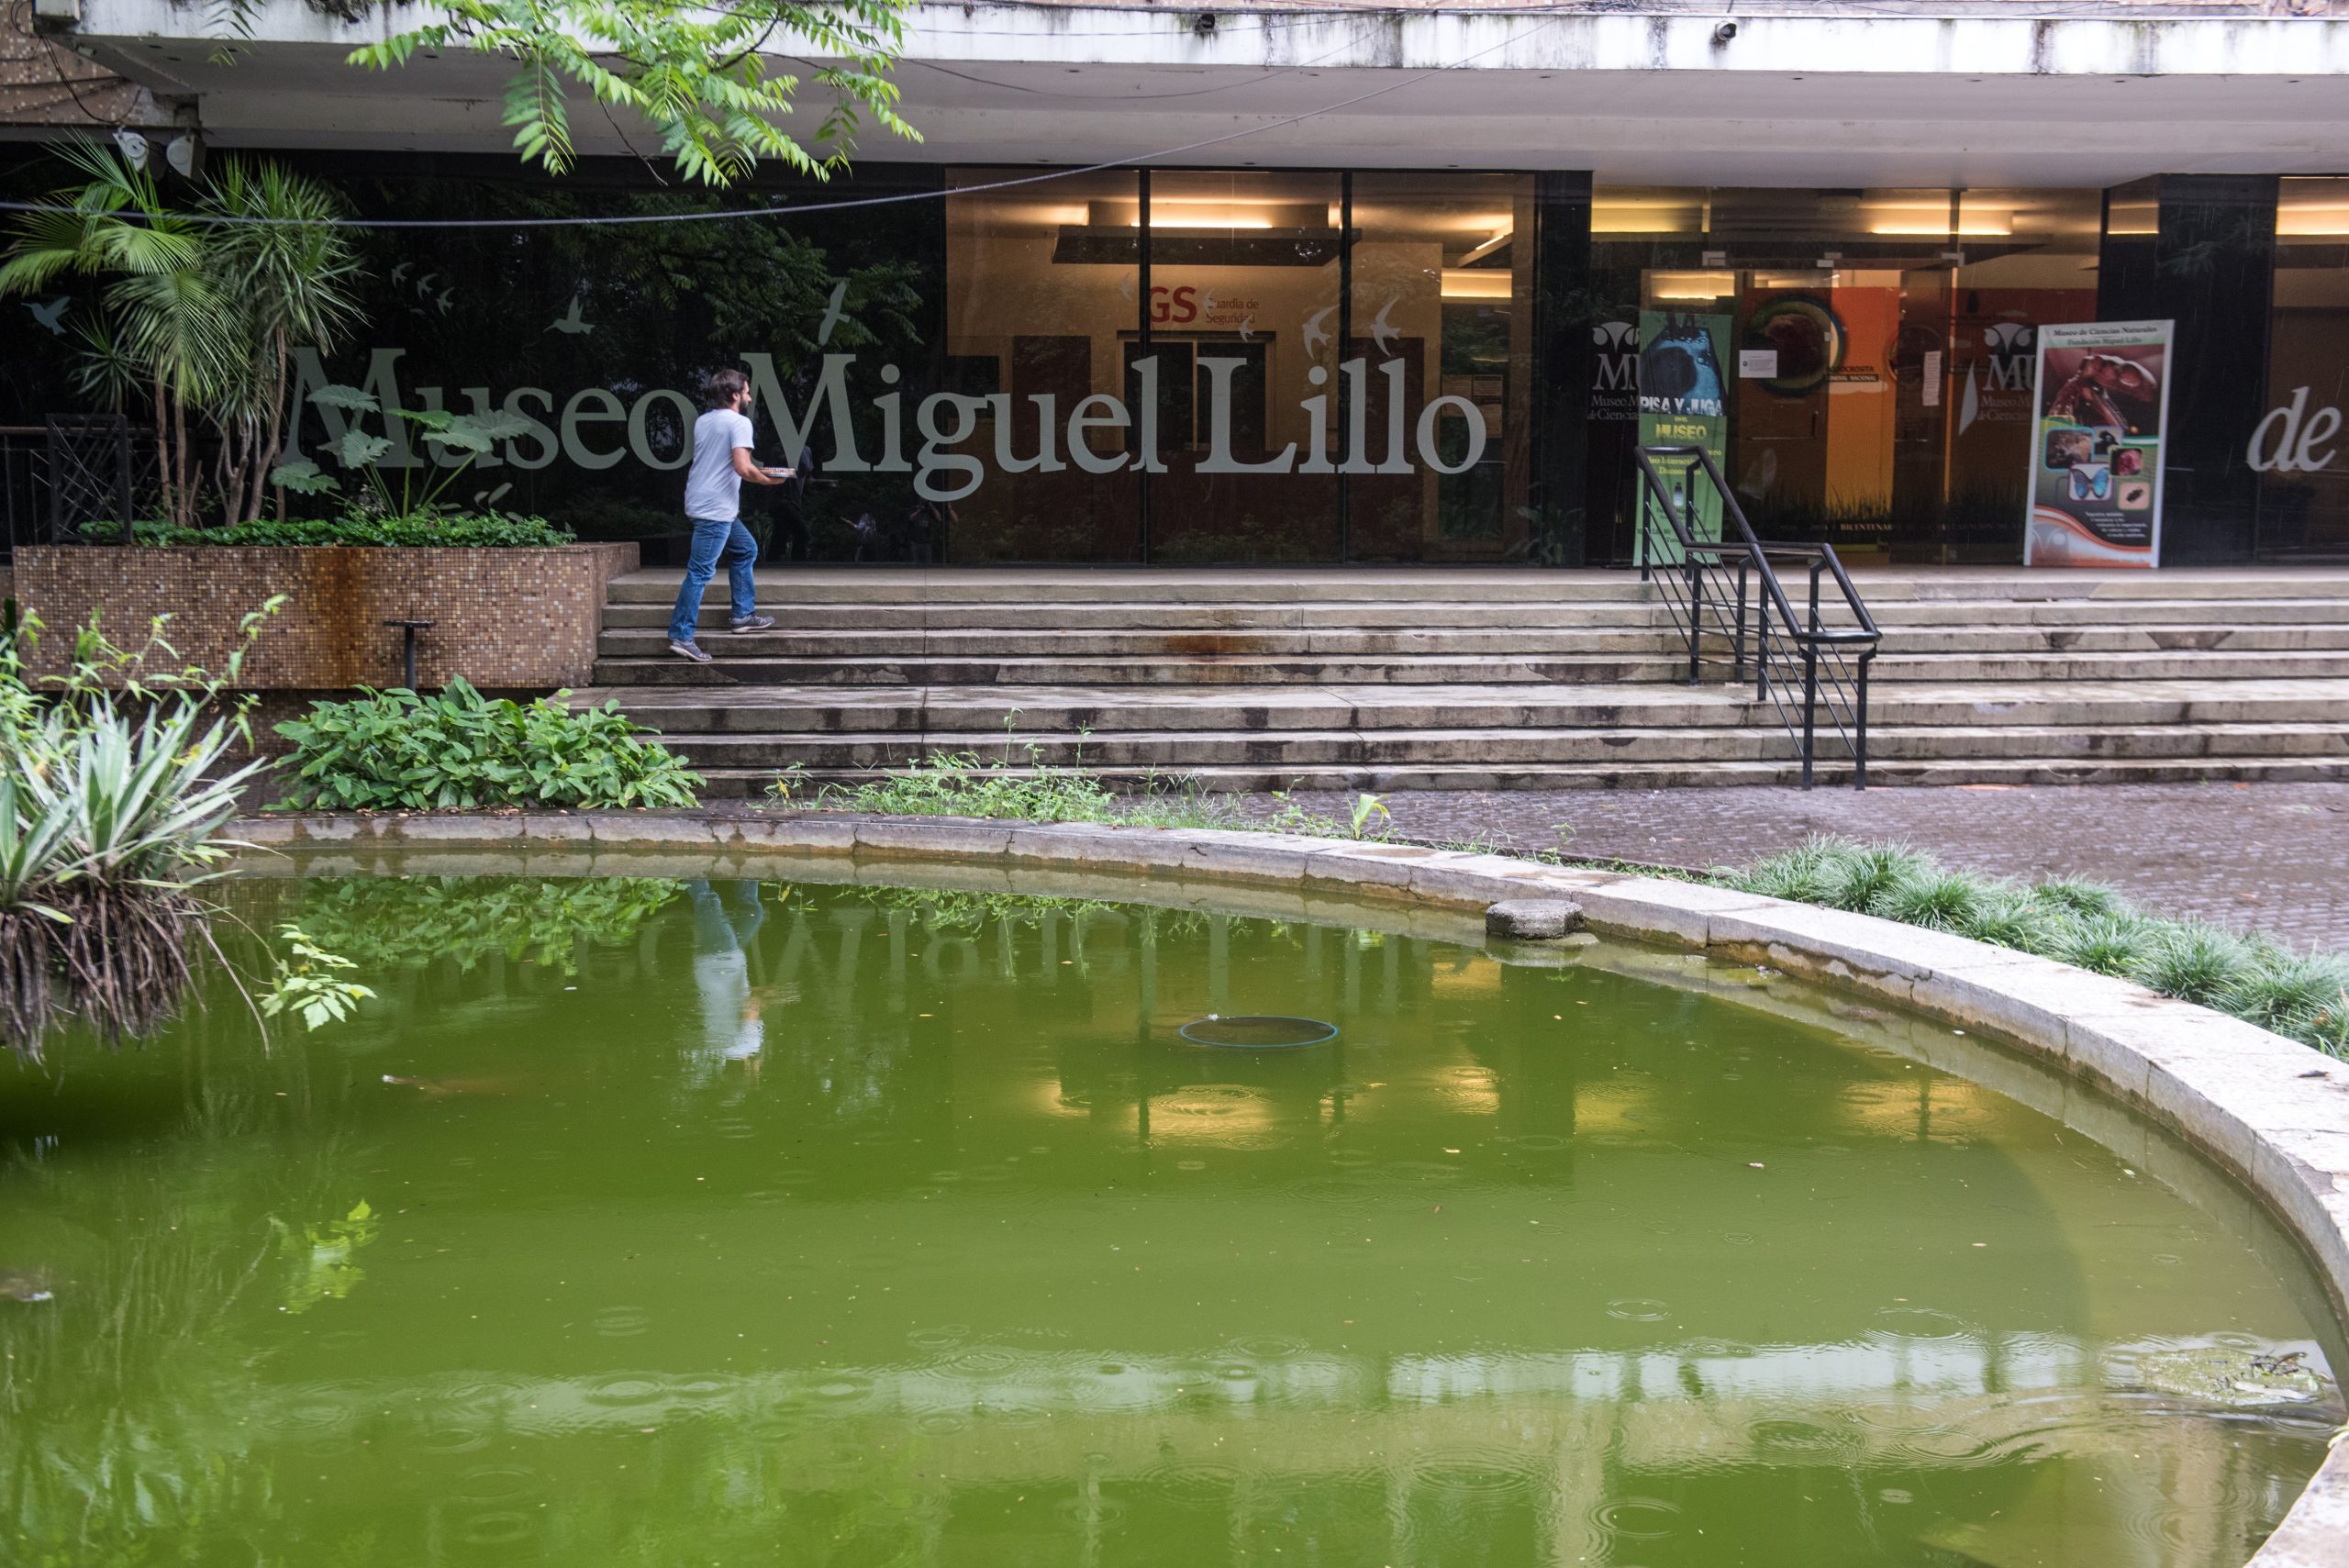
[(1477, 282), (1980, 227), (1693, 285), (2311, 222)]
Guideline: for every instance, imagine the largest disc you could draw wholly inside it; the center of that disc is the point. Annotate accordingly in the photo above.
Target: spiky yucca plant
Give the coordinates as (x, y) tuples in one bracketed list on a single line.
[(111, 797)]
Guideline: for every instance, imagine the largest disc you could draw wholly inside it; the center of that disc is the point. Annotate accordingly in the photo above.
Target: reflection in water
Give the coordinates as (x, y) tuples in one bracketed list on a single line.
[(726, 922), (840, 1225)]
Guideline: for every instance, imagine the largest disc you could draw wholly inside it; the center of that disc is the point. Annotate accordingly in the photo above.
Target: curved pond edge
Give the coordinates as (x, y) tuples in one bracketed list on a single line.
[(2272, 1112)]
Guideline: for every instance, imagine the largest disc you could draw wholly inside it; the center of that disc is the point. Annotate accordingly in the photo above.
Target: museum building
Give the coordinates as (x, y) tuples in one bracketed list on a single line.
[(1363, 332)]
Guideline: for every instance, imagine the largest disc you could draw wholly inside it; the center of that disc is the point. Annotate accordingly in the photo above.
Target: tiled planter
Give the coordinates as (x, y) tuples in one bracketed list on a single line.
[(504, 619)]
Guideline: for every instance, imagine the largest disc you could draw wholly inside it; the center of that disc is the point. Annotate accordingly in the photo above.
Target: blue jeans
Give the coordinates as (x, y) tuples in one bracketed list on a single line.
[(715, 540), (726, 914)]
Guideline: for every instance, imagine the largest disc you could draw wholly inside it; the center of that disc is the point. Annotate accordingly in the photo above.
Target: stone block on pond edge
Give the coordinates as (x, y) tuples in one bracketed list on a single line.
[(1533, 919)]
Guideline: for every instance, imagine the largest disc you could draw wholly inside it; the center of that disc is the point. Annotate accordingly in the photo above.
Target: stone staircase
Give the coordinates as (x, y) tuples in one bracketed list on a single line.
[(1480, 679)]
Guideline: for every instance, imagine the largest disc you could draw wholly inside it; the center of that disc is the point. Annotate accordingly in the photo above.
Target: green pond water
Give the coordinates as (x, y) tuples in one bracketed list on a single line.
[(741, 1223)]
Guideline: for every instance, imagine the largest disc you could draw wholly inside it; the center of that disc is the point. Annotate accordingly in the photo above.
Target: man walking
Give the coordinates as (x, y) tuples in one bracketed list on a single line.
[(722, 441)]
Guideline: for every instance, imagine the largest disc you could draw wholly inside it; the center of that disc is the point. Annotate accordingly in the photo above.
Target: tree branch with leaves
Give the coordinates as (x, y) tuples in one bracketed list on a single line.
[(701, 76)]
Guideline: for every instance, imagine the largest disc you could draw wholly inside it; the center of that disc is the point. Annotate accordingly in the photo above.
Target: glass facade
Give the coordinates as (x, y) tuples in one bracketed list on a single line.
[(2296, 448), (1236, 366), (1875, 349), (1243, 365)]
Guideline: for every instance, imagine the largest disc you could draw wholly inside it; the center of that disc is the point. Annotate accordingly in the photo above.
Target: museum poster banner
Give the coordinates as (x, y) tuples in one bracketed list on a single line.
[(2096, 458), (1684, 402)]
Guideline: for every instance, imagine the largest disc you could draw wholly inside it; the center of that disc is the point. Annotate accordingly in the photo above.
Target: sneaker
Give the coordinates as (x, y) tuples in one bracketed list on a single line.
[(689, 651), (752, 623)]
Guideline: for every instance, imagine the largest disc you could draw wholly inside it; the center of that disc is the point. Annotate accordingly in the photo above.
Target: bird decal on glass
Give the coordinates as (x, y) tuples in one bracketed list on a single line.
[(570, 325), (1315, 333), (831, 313)]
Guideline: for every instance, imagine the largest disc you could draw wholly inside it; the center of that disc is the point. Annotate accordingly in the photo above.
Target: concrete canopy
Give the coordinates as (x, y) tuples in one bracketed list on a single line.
[(1848, 99)]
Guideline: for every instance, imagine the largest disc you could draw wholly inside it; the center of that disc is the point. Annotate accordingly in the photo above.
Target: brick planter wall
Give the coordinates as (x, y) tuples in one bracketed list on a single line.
[(505, 619)]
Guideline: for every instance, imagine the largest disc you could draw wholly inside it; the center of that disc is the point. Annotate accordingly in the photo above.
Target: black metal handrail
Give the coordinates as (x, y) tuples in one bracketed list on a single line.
[(1711, 586)]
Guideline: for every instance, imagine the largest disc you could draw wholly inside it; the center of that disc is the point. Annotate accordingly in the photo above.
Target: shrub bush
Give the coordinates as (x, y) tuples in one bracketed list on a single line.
[(449, 530), (2302, 996), (400, 751)]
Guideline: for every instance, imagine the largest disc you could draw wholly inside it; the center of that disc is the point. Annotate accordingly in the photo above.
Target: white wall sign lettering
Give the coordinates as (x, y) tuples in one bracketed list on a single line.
[(2292, 440), (598, 428)]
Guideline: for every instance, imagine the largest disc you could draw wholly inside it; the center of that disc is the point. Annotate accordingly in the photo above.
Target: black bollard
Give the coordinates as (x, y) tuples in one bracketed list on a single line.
[(410, 627)]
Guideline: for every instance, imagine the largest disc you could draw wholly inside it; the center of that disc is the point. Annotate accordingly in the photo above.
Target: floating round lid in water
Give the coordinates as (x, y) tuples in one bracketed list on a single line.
[(1258, 1031)]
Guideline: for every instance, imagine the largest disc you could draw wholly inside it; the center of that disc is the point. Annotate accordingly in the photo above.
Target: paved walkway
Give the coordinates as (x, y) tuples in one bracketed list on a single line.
[(2269, 856)]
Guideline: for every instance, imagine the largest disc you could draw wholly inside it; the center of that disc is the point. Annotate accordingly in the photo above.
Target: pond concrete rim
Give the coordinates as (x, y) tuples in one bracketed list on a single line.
[(2273, 1113)]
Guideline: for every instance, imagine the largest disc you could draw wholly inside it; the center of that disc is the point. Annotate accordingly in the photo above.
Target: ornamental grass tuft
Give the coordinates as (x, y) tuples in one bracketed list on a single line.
[(2197, 961), (2009, 917), (1929, 896), (2304, 996), (2108, 944)]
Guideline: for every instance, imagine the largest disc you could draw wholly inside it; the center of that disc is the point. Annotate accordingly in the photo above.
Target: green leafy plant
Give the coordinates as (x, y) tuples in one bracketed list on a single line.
[(1290, 815), (400, 749), (461, 437), (963, 783), (427, 527), (396, 922), (198, 317), (1369, 809), (325, 1259), (969, 913), (700, 77), (307, 983)]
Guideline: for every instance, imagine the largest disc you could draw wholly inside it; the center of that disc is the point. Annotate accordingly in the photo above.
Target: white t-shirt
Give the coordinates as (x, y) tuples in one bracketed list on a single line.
[(730, 1031), (713, 490)]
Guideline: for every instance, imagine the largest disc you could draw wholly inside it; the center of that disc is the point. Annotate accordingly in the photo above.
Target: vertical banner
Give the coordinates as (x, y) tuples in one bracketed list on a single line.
[(1684, 402), (2096, 458)]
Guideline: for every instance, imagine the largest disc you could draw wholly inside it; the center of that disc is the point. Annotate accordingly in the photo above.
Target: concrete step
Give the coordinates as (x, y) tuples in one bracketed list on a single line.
[(2107, 613), (1130, 752), (969, 642), (668, 670), (2284, 665), (953, 614), (2006, 585), (885, 584), (1480, 678), (755, 782), (1041, 710), (960, 643), (1406, 585), (1143, 616)]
